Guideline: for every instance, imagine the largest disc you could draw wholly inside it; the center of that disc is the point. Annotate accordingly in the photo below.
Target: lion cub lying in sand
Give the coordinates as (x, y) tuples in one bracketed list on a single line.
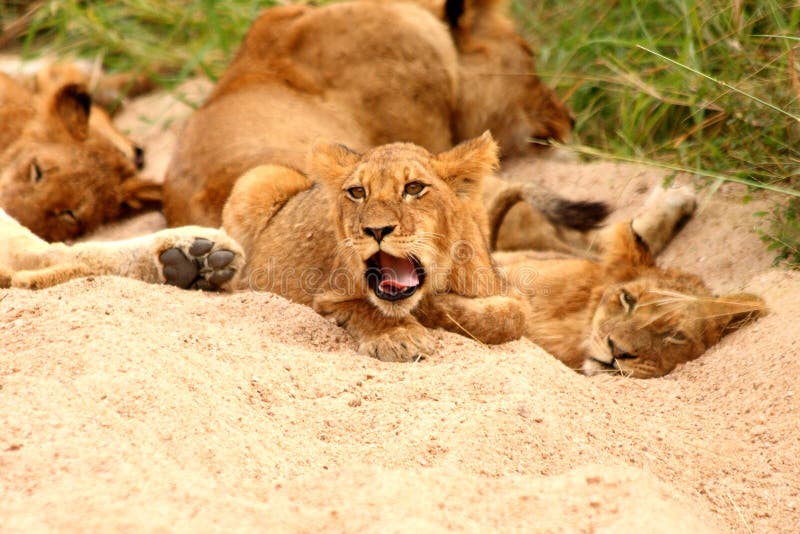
[(385, 242), (64, 169), (622, 314), (392, 242)]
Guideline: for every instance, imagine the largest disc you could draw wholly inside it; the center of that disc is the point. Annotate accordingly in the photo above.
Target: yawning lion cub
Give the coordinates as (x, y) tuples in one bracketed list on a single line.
[(387, 243)]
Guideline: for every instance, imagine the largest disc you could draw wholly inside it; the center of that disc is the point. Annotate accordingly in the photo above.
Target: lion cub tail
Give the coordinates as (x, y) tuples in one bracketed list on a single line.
[(577, 215)]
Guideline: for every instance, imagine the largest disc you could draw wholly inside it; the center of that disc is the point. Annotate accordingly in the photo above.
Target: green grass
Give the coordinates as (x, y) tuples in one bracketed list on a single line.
[(169, 40), (710, 87)]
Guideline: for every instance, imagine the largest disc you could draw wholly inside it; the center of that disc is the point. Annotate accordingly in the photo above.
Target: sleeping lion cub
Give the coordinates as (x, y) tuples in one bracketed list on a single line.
[(622, 314), (64, 169)]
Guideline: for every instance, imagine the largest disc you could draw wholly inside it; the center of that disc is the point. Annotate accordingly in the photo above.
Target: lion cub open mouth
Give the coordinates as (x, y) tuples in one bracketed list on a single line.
[(393, 278)]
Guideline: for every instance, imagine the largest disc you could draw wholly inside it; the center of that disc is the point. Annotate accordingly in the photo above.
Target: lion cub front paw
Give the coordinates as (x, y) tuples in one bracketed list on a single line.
[(403, 344), (210, 262)]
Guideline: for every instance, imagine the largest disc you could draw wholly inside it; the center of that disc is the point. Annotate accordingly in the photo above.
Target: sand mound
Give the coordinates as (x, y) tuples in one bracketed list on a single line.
[(125, 406), (133, 406)]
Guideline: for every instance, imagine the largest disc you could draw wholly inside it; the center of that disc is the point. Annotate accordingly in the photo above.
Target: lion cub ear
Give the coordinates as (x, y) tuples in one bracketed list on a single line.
[(331, 163), (463, 14), (140, 195), (69, 106), (465, 166), (622, 248)]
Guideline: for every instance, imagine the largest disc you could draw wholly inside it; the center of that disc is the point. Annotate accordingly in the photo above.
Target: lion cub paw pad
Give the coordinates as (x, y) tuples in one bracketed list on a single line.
[(199, 267)]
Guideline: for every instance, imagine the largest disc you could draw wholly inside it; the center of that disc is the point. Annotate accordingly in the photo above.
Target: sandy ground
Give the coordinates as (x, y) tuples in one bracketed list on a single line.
[(130, 407)]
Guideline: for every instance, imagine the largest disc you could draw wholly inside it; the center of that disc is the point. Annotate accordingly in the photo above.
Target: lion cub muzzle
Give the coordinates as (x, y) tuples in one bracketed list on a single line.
[(607, 362), (390, 277)]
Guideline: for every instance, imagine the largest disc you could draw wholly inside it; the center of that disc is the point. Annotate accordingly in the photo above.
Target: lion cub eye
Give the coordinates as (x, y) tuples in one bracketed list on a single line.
[(35, 173), (414, 189), (628, 301), (356, 193), (677, 338)]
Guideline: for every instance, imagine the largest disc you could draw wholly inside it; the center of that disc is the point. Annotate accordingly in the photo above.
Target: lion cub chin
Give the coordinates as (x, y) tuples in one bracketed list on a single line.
[(388, 243)]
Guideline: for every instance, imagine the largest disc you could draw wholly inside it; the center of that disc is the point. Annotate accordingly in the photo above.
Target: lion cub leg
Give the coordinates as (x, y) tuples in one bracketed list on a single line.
[(491, 320), (258, 195), (20, 249), (187, 257), (50, 276), (663, 215), (389, 339), (29, 261), (526, 216)]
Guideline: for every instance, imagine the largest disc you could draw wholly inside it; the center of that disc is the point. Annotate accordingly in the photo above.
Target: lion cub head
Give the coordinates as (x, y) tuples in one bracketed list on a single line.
[(499, 88), (399, 212), (646, 326), (61, 176)]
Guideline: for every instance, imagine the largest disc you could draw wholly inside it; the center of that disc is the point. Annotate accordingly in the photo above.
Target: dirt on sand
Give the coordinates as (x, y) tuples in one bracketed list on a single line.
[(133, 407)]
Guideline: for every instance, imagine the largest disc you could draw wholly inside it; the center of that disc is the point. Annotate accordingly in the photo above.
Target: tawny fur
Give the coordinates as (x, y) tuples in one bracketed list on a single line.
[(64, 169), (27, 261), (50, 78), (498, 88), (314, 246), (622, 313), (362, 74)]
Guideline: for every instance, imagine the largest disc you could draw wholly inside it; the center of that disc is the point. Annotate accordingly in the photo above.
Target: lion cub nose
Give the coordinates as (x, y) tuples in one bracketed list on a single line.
[(618, 353), (379, 233)]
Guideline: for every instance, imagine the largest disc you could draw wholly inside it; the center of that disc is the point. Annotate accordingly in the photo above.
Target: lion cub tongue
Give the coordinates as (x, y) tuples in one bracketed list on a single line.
[(397, 274)]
